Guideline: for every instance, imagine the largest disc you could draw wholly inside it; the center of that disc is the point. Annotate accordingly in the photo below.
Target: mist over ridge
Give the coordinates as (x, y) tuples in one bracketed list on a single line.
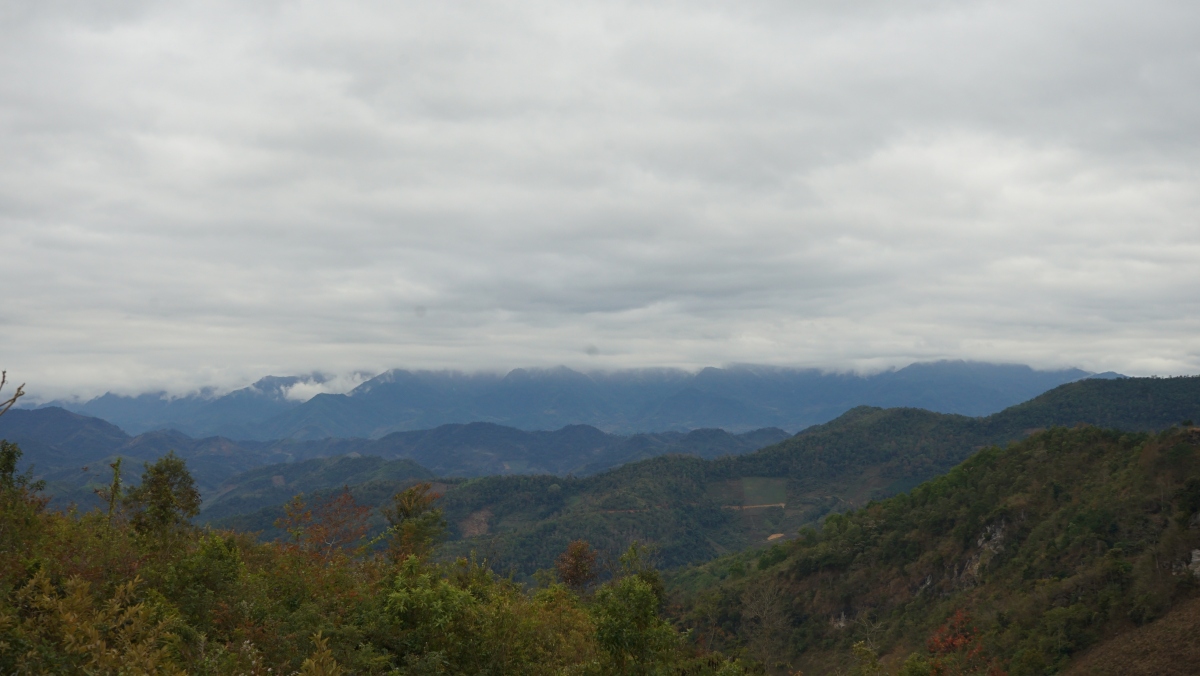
[(737, 398)]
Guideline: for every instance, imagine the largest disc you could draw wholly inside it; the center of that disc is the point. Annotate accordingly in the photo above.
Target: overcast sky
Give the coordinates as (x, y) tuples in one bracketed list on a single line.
[(199, 194)]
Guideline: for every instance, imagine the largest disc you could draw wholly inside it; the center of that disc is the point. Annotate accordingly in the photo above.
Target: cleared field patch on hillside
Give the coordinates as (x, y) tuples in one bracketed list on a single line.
[(476, 524), (749, 492), (763, 491)]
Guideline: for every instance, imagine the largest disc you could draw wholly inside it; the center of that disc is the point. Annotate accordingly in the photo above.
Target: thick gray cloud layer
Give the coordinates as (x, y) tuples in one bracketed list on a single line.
[(201, 193)]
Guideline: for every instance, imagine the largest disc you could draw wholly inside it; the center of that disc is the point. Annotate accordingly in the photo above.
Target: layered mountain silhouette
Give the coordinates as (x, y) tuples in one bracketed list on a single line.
[(73, 451), (736, 398)]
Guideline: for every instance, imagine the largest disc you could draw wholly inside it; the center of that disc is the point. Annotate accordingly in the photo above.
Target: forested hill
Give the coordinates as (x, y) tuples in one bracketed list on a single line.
[(696, 509), (882, 451), (1047, 547), (1134, 404)]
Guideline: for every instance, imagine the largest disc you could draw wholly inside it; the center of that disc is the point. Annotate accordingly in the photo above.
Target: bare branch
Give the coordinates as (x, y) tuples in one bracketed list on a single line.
[(8, 403)]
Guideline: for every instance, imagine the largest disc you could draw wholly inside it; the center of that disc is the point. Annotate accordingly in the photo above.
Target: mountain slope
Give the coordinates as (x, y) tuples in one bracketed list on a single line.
[(1050, 545), (275, 484), (60, 437), (474, 446), (72, 452), (203, 414), (1165, 647), (1135, 404), (479, 449)]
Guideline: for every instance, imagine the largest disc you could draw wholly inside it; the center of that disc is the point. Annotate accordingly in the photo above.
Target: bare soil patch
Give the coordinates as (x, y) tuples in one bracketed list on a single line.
[(476, 524), (1166, 647)]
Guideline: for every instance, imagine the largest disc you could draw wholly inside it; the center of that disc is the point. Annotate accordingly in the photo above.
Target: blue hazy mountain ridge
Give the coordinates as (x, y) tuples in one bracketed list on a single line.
[(237, 414), (72, 451), (737, 398)]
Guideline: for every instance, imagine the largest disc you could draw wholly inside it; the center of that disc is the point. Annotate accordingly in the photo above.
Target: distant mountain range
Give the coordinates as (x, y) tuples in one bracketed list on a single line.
[(60, 445), (737, 398)]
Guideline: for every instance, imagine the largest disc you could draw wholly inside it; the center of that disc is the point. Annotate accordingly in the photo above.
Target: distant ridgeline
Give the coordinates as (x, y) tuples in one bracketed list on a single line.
[(696, 509), (60, 444), (738, 399)]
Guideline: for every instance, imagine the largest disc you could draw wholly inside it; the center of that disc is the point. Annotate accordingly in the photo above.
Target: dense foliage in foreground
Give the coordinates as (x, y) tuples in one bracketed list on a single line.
[(135, 589), (1016, 560)]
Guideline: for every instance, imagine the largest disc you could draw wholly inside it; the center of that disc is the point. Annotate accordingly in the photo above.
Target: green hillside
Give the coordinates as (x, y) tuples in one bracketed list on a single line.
[(1133, 404), (691, 508), (276, 484), (696, 509), (1050, 546)]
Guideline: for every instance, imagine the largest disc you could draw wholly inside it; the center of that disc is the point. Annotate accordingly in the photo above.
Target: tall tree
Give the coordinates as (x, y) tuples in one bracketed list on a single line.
[(416, 525), (167, 497)]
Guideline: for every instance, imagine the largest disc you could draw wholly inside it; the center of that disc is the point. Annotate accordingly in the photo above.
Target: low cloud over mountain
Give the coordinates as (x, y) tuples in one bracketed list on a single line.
[(738, 398)]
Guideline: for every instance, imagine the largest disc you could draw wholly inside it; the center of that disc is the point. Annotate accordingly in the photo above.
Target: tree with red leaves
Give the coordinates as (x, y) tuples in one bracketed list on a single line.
[(327, 529), (954, 649), (955, 636)]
